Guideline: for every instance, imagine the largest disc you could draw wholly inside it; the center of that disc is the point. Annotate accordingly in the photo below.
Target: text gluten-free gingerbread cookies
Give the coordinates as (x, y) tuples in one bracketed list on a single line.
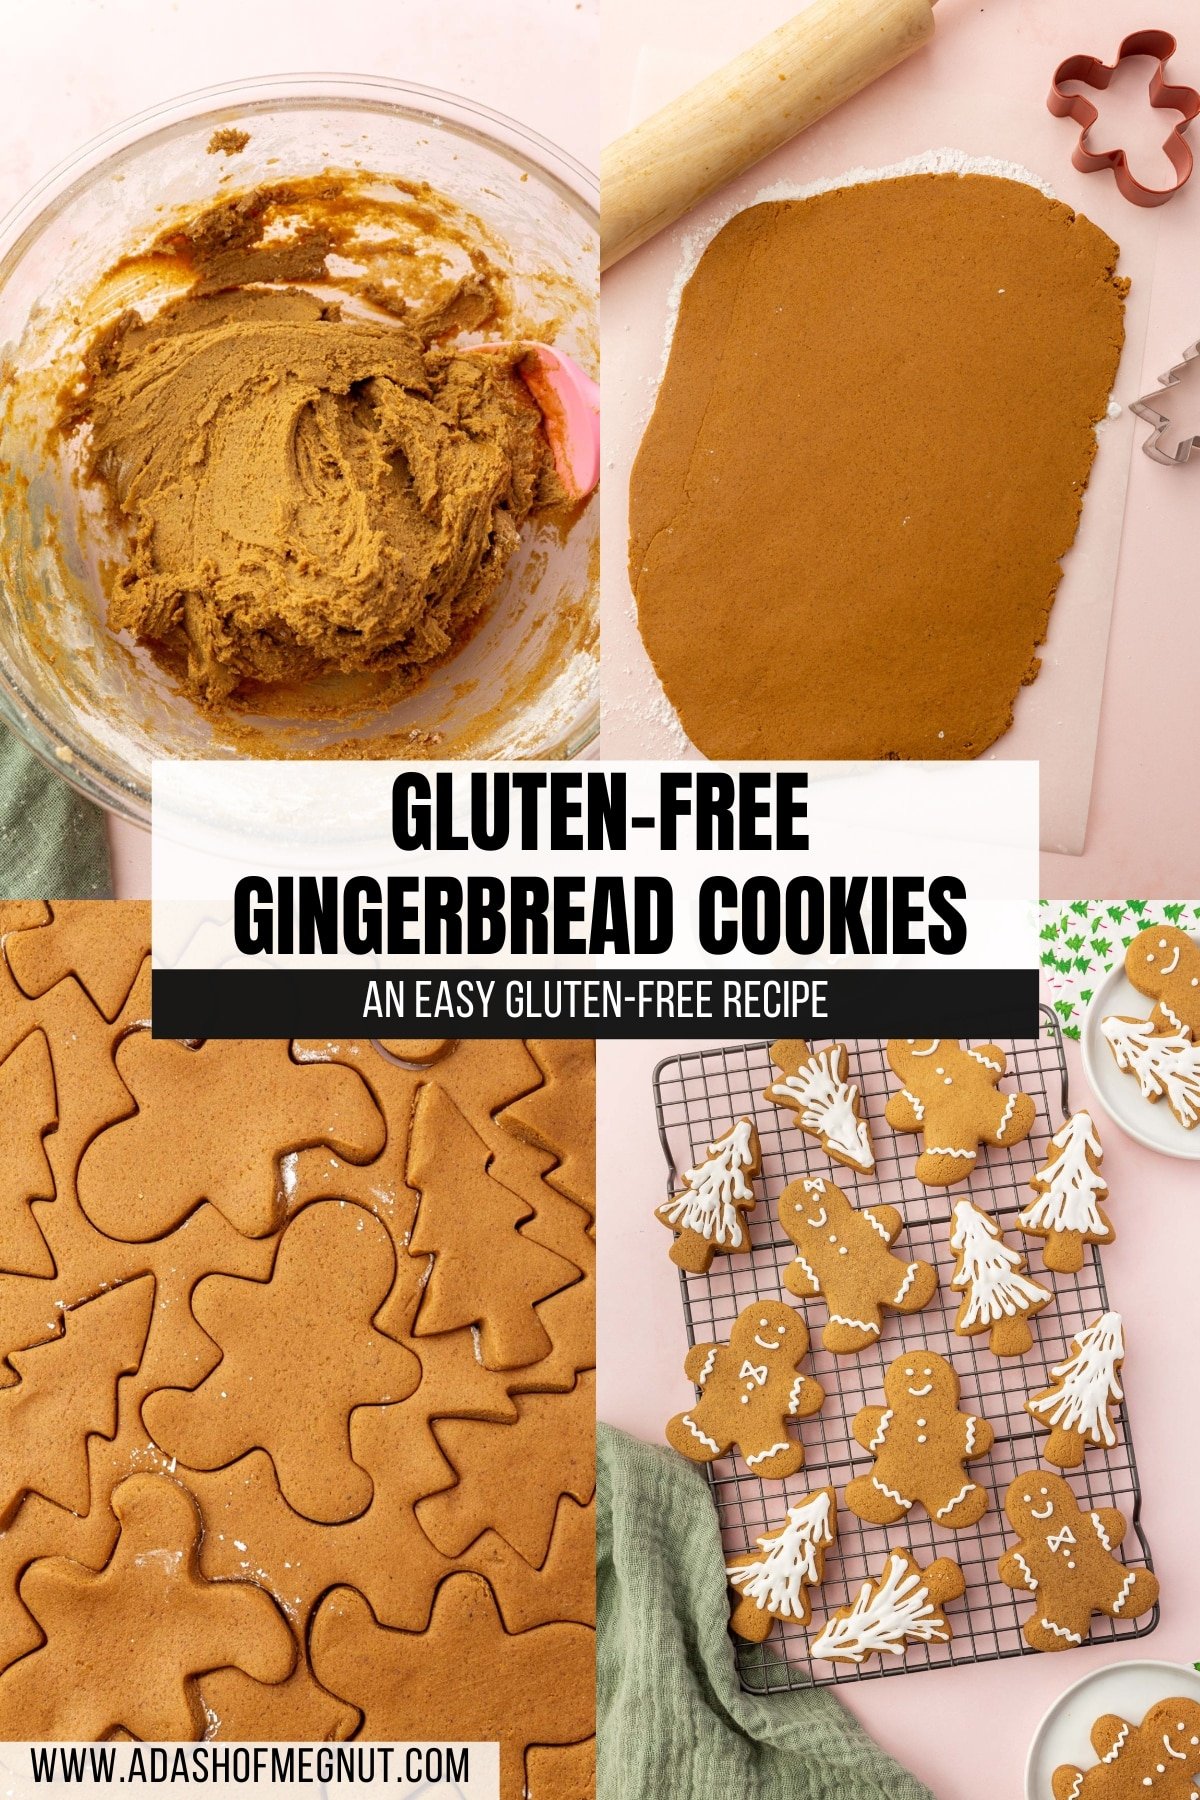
[(296, 1399)]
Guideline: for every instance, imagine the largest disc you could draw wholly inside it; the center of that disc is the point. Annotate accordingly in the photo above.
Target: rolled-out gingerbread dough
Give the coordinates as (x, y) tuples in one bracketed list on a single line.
[(867, 459)]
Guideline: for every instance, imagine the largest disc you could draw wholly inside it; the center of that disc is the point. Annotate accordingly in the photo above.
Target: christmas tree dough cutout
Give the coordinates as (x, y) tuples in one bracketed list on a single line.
[(1077, 1408), (67, 1390), (903, 1606), (560, 1116), (103, 947), (466, 1676), (299, 1352), (29, 1110), (773, 1582), (488, 1268), (124, 1644), (1069, 1189), (814, 1087), (708, 1214), (997, 1296), (1165, 1064)]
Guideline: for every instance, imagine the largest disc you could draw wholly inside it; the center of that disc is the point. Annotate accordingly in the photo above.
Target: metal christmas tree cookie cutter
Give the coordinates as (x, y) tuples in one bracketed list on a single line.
[(1094, 73), (1146, 409)]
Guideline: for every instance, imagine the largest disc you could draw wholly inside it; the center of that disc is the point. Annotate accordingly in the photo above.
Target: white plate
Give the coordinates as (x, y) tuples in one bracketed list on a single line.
[(1129, 1689), (1151, 1123)]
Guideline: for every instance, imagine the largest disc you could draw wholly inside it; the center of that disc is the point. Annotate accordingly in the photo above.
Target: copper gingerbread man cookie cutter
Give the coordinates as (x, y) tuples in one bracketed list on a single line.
[(1092, 72)]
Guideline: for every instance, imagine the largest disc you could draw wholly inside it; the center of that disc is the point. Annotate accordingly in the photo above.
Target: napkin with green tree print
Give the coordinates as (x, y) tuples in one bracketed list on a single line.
[(1083, 939)]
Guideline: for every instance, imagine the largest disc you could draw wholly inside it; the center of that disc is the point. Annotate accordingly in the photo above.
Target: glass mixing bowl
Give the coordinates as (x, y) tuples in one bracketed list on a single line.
[(99, 708)]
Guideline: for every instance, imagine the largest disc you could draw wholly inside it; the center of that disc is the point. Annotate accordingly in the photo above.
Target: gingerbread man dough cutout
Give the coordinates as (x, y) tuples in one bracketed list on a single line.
[(951, 1095), (1064, 1558), (1161, 1755), (921, 1442), (843, 1254), (1163, 963), (750, 1387)]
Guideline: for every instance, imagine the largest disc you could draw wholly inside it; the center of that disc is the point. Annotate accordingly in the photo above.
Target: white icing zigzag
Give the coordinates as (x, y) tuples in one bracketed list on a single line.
[(944, 1511), (1118, 1745), (1061, 1631), (764, 1455), (697, 1433)]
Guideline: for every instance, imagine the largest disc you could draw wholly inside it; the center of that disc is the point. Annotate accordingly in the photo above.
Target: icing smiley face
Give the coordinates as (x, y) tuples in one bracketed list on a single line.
[(1164, 963), (1173, 1727), (923, 1376), (769, 1329), (1031, 1505)]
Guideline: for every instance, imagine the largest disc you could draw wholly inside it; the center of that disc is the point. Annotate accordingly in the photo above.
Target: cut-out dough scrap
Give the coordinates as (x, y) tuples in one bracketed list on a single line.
[(29, 1110), (102, 946), (124, 1644), (486, 1271), (299, 1354), (214, 1124), (509, 1477), (66, 1389), (464, 1677), (560, 1116)]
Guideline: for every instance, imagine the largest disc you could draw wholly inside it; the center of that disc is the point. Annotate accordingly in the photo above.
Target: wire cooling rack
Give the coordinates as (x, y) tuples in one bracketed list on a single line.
[(698, 1096)]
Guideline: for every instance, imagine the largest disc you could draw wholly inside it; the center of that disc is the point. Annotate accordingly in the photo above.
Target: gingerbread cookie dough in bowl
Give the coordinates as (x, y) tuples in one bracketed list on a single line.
[(271, 481)]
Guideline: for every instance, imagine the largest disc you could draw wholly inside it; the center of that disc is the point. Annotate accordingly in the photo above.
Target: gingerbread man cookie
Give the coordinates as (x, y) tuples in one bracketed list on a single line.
[(707, 1215), (1163, 963), (1064, 1558), (951, 1095), (904, 1606), (814, 1087), (1162, 1754), (749, 1388), (843, 1253), (920, 1442)]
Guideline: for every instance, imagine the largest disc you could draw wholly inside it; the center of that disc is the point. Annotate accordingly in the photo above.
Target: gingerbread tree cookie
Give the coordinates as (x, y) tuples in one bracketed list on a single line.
[(843, 1253), (814, 1087), (1077, 1409), (66, 1391), (1165, 1065), (124, 1644), (951, 1096), (1163, 963), (708, 1215), (997, 1296), (903, 1606), (1158, 1759), (750, 1387), (1069, 1189), (920, 1442), (773, 1582), (298, 1354), (1064, 1558), (489, 1269)]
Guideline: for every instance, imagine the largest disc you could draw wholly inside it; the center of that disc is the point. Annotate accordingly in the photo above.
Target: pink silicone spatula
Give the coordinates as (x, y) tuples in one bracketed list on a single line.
[(570, 406)]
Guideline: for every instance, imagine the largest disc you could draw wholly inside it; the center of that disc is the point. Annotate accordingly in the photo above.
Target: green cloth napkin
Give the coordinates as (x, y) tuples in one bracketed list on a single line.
[(673, 1722), (52, 844)]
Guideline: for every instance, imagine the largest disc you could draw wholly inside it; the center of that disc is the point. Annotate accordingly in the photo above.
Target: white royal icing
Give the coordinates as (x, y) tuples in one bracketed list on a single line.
[(859, 1324), (876, 1224), (827, 1105), (1027, 1573), (794, 1396), (706, 1367), (910, 1276), (1076, 1786), (1005, 1116), (1061, 1631), (1100, 1531), (917, 1104), (944, 1511), (708, 1204), (891, 1493), (1070, 1188), (709, 1443), (885, 1419), (790, 1560), (1166, 1064), (1086, 1384), (809, 1272), (764, 1455), (949, 1150), (987, 1061), (1126, 1590), (989, 1275), (1118, 1745), (886, 1615)]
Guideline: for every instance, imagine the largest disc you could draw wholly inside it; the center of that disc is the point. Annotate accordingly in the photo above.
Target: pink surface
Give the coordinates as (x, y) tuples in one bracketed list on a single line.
[(988, 70), (74, 68), (936, 1722)]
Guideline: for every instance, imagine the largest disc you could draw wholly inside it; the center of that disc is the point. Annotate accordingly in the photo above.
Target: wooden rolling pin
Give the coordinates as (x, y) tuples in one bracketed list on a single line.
[(653, 174)]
